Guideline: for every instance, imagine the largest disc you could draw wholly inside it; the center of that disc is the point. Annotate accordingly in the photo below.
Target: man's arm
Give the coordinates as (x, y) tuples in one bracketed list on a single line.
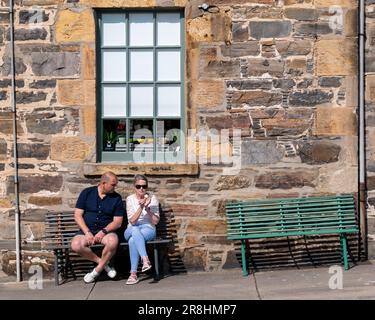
[(78, 217)]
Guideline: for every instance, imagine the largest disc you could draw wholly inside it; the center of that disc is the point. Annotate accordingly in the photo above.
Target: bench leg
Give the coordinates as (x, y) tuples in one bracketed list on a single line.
[(156, 259), (56, 270), (243, 256), (344, 251)]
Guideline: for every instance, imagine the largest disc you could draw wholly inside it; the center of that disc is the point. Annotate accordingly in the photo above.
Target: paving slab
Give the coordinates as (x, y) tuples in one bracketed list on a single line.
[(321, 283)]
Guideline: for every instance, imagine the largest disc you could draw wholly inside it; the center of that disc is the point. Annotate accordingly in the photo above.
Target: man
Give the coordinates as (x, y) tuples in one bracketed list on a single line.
[(99, 213)]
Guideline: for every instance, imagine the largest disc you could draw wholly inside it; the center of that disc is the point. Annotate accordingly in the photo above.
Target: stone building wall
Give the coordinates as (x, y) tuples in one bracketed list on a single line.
[(284, 72)]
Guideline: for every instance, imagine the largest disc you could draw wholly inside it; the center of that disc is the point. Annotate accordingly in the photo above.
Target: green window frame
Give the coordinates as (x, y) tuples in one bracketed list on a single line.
[(165, 142)]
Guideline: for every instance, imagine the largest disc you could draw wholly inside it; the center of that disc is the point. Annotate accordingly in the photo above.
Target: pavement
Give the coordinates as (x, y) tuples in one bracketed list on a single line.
[(320, 283)]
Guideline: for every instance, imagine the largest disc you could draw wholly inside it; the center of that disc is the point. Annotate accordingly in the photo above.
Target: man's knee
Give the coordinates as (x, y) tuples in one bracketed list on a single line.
[(111, 241), (76, 245)]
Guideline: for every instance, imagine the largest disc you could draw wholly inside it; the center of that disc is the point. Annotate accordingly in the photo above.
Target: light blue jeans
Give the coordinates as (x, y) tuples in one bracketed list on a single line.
[(137, 235)]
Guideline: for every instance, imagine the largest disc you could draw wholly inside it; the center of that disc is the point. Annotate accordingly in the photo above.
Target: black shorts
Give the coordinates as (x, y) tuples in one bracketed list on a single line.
[(94, 232)]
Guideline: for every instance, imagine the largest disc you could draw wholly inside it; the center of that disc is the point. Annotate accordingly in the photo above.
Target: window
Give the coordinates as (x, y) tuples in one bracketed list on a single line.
[(141, 71)]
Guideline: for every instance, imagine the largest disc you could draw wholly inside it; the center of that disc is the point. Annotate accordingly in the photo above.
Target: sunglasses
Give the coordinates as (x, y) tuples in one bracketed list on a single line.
[(139, 186)]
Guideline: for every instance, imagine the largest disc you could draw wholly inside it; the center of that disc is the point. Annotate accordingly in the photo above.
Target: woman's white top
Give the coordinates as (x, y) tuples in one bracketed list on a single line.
[(132, 205)]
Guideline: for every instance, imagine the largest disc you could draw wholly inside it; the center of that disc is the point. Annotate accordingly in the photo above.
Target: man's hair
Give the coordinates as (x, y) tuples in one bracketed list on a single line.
[(138, 177), (107, 176)]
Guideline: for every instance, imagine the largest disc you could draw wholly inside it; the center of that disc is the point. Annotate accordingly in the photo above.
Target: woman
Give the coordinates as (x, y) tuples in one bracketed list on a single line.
[(143, 214)]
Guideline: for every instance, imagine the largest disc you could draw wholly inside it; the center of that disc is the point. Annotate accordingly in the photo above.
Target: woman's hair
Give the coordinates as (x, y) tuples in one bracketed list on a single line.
[(138, 177)]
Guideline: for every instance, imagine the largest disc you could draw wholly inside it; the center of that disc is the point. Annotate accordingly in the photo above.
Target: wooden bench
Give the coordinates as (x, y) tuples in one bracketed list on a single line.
[(292, 217), (60, 228)]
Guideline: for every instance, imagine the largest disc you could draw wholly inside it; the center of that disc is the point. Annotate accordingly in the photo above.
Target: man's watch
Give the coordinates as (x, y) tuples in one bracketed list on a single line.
[(104, 230)]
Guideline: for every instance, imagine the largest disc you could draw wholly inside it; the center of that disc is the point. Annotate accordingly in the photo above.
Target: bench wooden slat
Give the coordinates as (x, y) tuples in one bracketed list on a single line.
[(291, 217)]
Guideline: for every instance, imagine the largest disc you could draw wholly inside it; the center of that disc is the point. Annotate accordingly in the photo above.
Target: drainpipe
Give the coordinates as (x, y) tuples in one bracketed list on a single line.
[(361, 134), (13, 103)]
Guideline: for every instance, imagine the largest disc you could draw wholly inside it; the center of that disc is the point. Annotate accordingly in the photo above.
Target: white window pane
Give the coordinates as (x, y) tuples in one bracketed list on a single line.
[(113, 29), (169, 66), (114, 65), (169, 101), (141, 101), (141, 29), (168, 29), (114, 100), (141, 66)]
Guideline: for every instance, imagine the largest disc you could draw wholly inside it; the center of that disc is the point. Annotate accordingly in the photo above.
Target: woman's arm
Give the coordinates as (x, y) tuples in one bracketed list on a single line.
[(155, 218)]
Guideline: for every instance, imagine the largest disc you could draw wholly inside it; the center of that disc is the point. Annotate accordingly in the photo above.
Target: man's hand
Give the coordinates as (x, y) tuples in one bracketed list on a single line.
[(90, 238), (99, 237)]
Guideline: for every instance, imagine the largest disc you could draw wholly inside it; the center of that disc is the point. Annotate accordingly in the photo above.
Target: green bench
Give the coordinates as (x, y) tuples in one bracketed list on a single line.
[(292, 217), (60, 228)]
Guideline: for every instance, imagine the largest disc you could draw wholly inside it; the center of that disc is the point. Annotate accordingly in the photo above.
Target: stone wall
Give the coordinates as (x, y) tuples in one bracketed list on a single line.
[(284, 72)]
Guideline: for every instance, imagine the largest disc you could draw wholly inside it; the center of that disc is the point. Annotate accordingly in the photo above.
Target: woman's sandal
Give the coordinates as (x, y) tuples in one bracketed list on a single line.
[(146, 266), (132, 279)]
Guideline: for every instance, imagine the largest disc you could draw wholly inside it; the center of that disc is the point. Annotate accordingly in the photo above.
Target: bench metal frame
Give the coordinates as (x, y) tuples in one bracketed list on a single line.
[(60, 230), (285, 217)]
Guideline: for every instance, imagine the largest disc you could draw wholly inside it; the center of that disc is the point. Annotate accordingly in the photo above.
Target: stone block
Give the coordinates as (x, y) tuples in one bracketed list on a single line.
[(208, 93), (270, 29), (370, 88), (310, 98), (88, 62), (341, 3), (319, 152), (74, 26), (332, 82), (119, 3), (232, 182), (44, 123), (43, 84), (302, 14), (6, 120), (312, 29), (69, 149), (293, 48), (89, 120), (70, 92), (335, 122), (260, 152), (240, 31), (30, 97), (32, 150), (286, 179), (264, 67), (55, 64), (250, 84), (220, 69), (206, 226), (35, 183), (254, 98), (32, 16), (199, 29), (242, 49), (195, 258), (3, 149), (45, 201), (257, 12), (336, 57), (22, 34), (188, 209)]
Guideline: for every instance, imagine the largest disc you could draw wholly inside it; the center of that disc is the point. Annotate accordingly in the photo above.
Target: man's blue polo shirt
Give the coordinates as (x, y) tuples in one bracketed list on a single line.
[(98, 213)]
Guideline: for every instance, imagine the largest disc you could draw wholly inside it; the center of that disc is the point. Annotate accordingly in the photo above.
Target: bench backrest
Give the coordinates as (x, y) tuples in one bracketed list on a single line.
[(291, 217)]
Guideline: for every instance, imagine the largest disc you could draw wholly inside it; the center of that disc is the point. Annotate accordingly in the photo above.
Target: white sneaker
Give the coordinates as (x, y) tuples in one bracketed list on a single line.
[(91, 276), (111, 272)]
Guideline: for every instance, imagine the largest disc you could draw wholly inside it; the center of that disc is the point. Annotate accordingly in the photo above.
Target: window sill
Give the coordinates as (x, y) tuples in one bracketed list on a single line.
[(130, 169)]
